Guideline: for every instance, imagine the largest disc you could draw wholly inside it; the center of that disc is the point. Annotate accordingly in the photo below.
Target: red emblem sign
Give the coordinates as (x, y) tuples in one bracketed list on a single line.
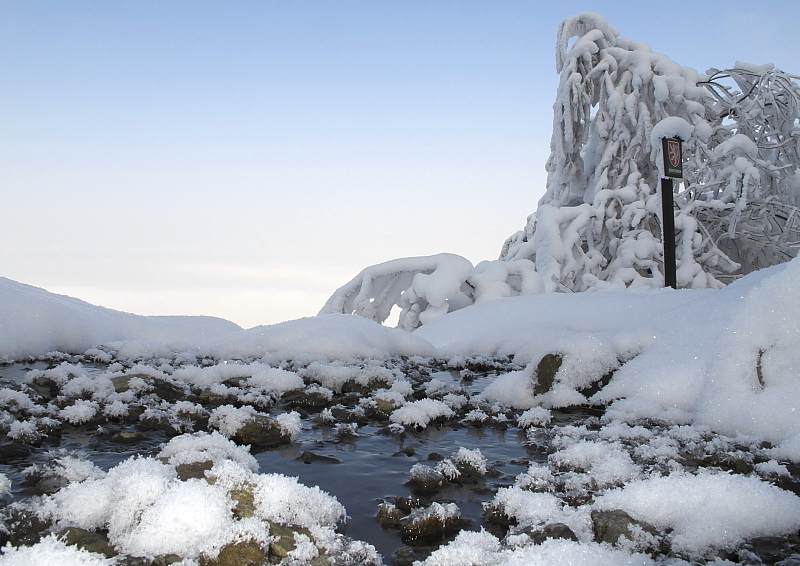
[(674, 152), (673, 160)]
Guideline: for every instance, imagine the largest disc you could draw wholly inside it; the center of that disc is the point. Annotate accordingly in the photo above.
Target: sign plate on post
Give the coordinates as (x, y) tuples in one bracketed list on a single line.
[(673, 157)]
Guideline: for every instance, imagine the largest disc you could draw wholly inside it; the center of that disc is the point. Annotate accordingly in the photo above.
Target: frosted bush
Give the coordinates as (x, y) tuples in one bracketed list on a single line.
[(599, 224), (423, 287)]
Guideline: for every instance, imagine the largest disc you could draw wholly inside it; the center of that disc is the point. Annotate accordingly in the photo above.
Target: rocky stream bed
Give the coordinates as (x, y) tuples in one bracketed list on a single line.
[(409, 447)]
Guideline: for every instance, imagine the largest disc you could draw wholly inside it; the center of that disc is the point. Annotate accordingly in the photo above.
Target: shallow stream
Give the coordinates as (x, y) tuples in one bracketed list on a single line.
[(344, 446)]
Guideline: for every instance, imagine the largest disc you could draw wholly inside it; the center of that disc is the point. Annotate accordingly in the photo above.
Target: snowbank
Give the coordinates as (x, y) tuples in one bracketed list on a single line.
[(34, 322), (683, 376), (149, 511), (325, 337), (726, 358)]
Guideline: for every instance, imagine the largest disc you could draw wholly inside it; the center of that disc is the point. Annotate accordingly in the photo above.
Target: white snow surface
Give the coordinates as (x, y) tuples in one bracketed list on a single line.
[(148, 511), (34, 321), (707, 511), (51, 551), (726, 358), (700, 361)]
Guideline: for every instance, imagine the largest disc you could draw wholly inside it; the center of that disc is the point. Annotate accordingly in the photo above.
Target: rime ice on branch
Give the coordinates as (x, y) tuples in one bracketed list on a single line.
[(599, 222)]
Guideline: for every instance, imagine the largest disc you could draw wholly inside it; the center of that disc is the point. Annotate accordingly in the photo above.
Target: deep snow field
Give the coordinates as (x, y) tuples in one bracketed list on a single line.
[(609, 427)]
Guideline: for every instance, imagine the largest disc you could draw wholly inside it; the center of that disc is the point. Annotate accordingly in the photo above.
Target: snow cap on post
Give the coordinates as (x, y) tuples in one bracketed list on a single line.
[(672, 127)]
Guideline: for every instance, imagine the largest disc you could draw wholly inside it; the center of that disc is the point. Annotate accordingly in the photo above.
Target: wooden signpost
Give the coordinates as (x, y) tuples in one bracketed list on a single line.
[(673, 168)]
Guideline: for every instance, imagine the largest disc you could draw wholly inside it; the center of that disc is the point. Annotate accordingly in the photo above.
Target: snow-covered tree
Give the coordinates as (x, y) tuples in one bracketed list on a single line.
[(600, 221)]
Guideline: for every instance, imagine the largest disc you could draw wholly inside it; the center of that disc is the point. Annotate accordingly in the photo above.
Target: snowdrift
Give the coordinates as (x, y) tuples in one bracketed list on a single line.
[(34, 321), (725, 358)]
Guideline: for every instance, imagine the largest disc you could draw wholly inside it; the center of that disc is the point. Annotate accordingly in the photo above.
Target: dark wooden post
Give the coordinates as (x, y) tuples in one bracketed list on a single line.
[(673, 168), (668, 228)]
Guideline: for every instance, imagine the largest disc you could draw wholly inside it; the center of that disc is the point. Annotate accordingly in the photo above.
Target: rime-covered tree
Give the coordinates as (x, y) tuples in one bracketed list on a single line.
[(599, 222)]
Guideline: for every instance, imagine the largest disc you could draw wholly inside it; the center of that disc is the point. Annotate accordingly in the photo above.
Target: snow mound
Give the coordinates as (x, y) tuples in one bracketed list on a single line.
[(34, 322), (323, 337), (149, 511), (723, 357), (710, 511), (51, 550), (470, 548)]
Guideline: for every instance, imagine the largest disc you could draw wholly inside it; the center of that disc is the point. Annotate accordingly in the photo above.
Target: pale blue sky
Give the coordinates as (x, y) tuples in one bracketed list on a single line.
[(244, 159)]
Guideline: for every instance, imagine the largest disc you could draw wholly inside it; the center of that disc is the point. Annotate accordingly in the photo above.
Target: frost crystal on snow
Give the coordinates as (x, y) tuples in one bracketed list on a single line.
[(421, 413)]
